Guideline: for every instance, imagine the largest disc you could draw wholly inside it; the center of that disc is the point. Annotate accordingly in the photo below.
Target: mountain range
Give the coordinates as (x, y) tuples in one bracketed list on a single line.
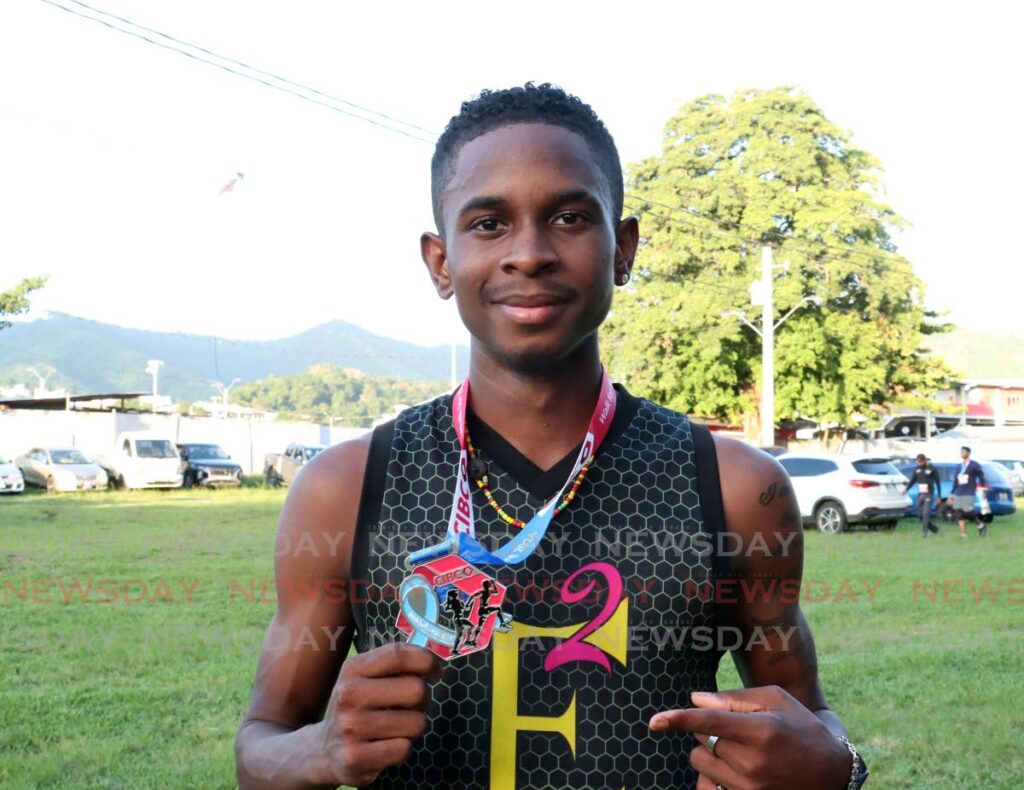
[(94, 357), (980, 355)]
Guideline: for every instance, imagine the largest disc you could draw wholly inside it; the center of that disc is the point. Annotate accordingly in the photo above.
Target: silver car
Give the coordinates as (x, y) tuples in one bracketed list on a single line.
[(61, 469), (11, 479), (1014, 473)]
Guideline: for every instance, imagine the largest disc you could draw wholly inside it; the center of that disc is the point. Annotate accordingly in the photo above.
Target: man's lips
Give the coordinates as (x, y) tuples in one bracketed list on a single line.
[(532, 309), (532, 300)]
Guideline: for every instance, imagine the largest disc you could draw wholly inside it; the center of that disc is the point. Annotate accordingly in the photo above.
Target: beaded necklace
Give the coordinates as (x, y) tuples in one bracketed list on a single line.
[(483, 484)]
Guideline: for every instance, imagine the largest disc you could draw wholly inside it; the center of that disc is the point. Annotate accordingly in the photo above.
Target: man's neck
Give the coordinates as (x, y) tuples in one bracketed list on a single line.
[(544, 415)]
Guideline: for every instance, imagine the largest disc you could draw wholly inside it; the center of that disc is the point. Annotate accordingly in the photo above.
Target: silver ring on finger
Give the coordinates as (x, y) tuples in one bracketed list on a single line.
[(711, 744)]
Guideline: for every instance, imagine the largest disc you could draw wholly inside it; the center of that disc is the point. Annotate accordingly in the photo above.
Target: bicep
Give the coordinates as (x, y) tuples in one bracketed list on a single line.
[(311, 631), (762, 512)]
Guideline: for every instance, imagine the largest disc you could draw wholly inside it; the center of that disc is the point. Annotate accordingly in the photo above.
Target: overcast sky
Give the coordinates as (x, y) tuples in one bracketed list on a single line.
[(113, 151)]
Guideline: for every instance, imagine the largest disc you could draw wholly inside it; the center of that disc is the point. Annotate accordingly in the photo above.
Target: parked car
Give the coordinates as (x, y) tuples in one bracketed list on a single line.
[(61, 469), (997, 490), (836, 491), (281, 468), (1014, 473), (143, 460), (12, 481), (208, 465)]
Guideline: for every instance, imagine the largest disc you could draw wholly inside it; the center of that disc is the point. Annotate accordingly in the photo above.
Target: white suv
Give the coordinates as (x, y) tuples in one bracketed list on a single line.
[(835, 491)]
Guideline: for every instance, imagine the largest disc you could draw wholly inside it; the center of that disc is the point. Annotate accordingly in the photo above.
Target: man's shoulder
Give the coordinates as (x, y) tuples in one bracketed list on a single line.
[(735, 458), (745, 462), (339, 458), (422, 416), (336, 474)]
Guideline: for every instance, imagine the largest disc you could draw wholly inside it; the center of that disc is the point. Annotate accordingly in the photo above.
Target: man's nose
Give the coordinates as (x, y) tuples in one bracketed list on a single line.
[(530, 251)]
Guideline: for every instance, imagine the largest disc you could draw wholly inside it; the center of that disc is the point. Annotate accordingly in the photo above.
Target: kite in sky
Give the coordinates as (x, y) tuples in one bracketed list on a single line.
[(230, 185)]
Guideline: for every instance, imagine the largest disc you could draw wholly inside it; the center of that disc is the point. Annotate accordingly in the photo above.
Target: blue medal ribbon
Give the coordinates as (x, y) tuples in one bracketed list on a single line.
[(424, 624), (460, 540)]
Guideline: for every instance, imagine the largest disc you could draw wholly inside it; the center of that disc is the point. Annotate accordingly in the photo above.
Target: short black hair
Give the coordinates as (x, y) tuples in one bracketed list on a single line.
[(968, 449), (530, 103)]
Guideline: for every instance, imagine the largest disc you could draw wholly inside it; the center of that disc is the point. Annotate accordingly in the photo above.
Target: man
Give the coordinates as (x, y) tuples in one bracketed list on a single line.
[(605, 677), (968, 477), (926, 478)]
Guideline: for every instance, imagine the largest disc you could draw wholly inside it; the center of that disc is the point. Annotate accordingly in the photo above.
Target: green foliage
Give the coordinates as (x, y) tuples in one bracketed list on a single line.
[(15, 301), (329, 391), (767, 167)]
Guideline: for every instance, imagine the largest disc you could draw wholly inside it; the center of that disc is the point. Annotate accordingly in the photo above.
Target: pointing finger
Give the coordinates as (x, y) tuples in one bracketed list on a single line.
[(751, 700), (743, 727)]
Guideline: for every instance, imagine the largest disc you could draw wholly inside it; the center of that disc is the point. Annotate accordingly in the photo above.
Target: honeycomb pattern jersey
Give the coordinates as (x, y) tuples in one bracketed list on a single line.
[(521, 714)]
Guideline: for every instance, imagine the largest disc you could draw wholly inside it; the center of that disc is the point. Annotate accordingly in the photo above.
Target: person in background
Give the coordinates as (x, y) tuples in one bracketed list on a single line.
[(926, 478), (969, 476)]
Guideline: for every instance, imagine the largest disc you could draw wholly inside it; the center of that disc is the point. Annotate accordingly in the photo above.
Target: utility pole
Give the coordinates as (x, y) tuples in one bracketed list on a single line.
[(224, 390), (767, 352), (761, 295), (153, 369)]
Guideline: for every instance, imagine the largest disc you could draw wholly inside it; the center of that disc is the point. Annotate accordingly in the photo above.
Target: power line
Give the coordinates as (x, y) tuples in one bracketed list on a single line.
[(897, 267), (257, 70), (690, 217), (792, 244), (413, 132)]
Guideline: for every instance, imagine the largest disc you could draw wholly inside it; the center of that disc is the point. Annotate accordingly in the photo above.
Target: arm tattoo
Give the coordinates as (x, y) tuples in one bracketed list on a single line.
[(780, 655), (768, 495), (790, 518), (787, 645)]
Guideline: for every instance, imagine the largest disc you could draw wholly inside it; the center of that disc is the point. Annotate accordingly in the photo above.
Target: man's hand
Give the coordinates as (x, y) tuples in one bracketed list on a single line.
[(377, 709), (767, 741)]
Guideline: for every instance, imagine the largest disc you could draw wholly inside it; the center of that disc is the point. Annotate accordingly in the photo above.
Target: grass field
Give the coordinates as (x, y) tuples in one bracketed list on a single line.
[(147, 690)]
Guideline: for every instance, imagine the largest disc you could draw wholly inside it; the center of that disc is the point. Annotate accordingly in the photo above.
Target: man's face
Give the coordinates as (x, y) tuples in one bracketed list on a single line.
[(922, 461), (530, 243), (965, 454)]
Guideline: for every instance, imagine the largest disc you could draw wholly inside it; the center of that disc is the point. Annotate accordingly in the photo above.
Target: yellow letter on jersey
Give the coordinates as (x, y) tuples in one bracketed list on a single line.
[(506, 722)]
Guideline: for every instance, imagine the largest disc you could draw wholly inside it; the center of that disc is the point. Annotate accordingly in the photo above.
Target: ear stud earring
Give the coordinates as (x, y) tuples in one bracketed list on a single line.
[(622, 279)]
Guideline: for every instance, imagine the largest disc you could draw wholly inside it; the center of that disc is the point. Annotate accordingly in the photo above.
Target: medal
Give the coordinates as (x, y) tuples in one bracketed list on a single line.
[(450, 606)]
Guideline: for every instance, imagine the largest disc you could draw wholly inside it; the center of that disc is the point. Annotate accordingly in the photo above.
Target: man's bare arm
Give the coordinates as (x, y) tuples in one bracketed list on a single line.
[(280, 742), (778, 731), (762, 511), (317, 719)]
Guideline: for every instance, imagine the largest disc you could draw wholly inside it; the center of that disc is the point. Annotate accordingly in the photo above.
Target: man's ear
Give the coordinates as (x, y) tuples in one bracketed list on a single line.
[(627, 238), (435, 257)]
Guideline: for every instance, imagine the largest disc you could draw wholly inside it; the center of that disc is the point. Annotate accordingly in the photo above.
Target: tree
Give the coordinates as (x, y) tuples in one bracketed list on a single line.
[(767, 167), (15, 301), (328, 391)]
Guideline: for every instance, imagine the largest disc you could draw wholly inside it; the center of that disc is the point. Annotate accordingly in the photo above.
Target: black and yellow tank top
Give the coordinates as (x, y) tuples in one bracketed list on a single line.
[(644, 522)]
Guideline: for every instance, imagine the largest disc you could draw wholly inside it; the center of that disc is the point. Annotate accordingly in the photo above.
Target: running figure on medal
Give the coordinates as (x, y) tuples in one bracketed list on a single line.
[(485, 610), (459, 612)]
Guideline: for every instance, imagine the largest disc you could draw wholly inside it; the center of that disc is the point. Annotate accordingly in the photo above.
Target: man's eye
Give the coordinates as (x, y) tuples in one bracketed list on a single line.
[(570, 218), (487, 224)]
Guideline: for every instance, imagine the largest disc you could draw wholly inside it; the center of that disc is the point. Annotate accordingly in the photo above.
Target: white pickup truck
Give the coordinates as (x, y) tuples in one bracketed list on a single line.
[(143, 460), (281, 468)]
